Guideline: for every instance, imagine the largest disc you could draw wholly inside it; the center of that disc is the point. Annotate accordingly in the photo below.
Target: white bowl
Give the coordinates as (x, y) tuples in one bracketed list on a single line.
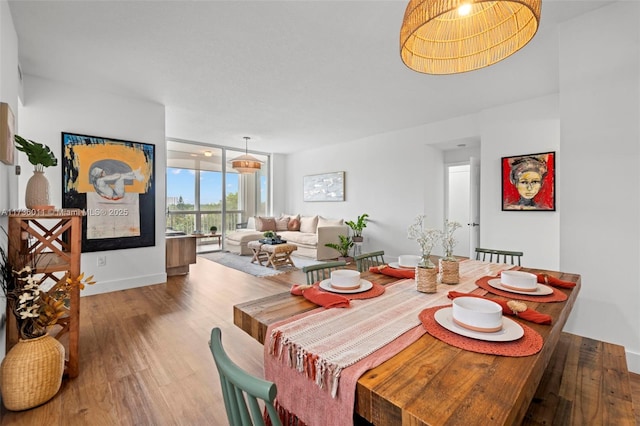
[(477, 314), (345, 279), (518, 280), (408, 260)]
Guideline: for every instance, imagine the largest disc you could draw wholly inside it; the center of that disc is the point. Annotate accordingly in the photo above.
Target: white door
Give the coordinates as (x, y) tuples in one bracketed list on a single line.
[(458, 204), (474, 206)]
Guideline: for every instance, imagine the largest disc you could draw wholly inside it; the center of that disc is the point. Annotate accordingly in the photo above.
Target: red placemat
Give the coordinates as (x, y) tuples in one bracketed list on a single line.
[(556, 296), (529, 344), (375, 291)]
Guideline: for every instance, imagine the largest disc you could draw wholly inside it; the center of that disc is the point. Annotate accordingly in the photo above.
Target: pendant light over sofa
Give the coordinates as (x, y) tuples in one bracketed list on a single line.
[(246, 163)]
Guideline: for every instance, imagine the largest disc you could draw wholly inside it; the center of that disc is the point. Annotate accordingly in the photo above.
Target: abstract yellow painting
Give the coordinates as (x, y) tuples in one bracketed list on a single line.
[(113, 182)]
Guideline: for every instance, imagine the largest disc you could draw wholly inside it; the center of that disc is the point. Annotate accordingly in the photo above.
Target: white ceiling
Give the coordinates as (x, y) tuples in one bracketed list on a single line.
[(289, 74)]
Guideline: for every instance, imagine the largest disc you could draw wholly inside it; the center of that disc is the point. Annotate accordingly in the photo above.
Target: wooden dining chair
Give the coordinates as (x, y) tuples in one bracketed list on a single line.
[(241, 390), (485, 255), (365, 260), (322, 271)]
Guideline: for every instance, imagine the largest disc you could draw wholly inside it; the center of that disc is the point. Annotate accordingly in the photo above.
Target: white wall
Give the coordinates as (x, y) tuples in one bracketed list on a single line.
[(51, 108), (9, 89), (599, 190), (393, 177), (523, 128)]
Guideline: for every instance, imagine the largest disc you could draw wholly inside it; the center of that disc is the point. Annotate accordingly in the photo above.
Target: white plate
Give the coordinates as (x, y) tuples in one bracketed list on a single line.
[(541, 290), (511, 330), (395, 265), (364, 286)]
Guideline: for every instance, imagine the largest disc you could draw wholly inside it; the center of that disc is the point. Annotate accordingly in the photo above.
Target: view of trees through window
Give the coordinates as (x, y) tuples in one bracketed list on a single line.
[(188, 213), (201, 185)]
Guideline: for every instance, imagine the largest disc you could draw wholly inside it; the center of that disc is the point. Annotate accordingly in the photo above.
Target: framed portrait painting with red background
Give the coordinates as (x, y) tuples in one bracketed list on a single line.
[(528, 182)]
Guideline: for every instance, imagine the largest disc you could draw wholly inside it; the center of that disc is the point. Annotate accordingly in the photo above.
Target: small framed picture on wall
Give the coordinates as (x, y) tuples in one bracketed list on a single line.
[(528, 182), (7, 133)]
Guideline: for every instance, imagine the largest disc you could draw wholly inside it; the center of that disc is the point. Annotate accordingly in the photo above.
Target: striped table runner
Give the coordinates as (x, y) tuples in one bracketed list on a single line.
[(321, 345)]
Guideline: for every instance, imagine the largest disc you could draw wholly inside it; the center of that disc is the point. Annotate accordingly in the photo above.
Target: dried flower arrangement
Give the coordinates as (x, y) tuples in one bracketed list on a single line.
[(448, 242), (425, 237), (36, 309)]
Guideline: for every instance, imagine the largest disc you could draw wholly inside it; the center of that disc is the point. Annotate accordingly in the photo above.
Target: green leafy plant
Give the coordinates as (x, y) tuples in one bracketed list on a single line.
[(38, 154), (213, 229), (358, 225), (343, 247), (269, 234)]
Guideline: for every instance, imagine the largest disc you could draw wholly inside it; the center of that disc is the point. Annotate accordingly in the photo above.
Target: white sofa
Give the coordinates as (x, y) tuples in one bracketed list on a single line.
[(314, 233)]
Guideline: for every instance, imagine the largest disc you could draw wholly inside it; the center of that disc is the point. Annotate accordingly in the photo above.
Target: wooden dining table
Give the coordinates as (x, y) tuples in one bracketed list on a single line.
[(431, 382)]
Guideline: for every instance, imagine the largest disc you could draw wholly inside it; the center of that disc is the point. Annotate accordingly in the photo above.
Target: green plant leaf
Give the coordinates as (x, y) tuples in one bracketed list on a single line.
[(37, 153)]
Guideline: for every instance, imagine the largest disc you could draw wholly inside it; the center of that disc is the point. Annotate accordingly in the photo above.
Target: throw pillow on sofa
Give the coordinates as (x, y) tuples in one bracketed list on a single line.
[(265, 224), (308, 224), (294, 225), (282, 223)]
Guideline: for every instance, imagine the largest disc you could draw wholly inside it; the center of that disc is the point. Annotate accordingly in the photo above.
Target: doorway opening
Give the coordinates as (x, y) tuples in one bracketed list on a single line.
[(462, 203)]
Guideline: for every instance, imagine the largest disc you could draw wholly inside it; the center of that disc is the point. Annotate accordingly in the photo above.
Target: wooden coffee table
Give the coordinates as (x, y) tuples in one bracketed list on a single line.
[(273, 254)]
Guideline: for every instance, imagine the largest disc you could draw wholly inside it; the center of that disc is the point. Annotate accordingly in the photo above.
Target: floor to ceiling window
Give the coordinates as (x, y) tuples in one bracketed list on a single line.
[(206, 197)]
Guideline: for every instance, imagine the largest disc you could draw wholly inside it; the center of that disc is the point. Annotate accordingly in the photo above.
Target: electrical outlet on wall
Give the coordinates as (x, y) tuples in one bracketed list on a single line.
[(102, 260)]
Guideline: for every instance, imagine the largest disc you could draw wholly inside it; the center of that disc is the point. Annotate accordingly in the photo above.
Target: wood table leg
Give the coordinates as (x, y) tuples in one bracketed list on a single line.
[(272, 260), (257, 256), (280, 258)]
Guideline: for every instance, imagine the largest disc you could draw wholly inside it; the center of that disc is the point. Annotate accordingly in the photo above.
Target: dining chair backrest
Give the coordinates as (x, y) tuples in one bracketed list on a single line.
[(366, 260), (501, 256), (241, 391), (322, 271)]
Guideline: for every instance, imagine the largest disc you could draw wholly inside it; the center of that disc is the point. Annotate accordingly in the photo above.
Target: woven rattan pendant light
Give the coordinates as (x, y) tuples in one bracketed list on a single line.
[(246, 163), (440, 37)]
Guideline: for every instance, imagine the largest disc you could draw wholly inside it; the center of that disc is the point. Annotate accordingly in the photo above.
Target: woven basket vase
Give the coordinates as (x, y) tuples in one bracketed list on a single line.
[(450, 271), (31, 373)]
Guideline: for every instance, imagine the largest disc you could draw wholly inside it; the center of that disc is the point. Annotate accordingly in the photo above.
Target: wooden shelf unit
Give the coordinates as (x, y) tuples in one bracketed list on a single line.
[(51, 240)]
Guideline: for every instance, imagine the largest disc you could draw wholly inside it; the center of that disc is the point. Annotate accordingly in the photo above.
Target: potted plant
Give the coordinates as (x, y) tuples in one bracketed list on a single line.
[(31, 372), (270, 237), (343, 247), (357, 227), (269, 234), (213, 229), (37, 192)]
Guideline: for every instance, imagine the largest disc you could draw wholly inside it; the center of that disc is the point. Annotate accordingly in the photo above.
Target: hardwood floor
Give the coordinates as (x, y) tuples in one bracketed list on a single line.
[(144, 357)]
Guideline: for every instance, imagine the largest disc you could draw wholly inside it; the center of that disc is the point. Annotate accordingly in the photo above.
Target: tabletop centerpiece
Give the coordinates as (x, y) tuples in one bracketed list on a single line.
[(449, 266), (426, 272), (270, 237), (31, 372)]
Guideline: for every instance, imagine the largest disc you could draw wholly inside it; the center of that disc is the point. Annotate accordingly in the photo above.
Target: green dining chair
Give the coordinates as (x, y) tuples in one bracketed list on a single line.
[(322, 271), (366, 260), (501, 256), (241, 390)]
